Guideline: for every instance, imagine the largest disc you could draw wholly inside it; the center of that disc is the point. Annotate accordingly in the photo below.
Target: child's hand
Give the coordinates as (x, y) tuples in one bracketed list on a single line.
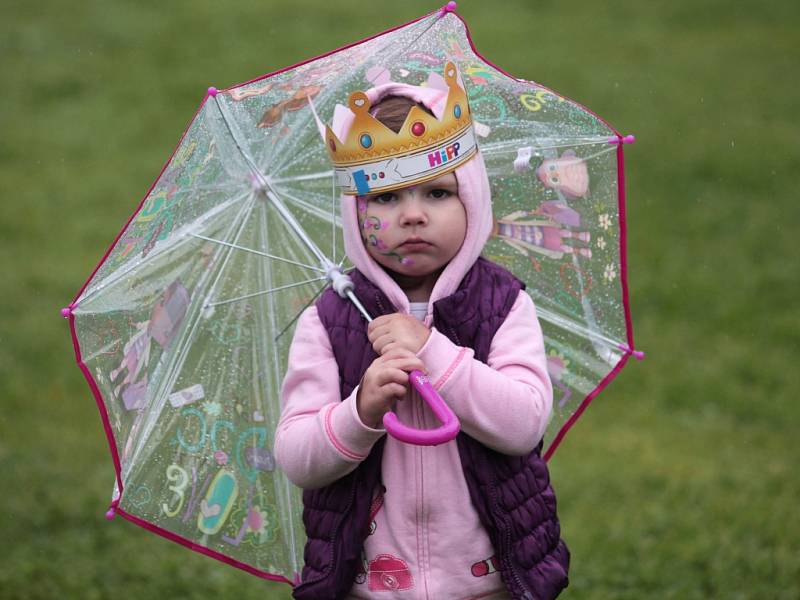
[(397, 331), (385, 381)]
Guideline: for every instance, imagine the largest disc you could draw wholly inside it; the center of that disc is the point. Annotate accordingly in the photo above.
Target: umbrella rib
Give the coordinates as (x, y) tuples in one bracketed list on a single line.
[(300, 312), (308, 207), (513, 146), (559, 321), (333, 219), (311, 177), (269, 291), (158, 250), (269, 192), (272, 256)]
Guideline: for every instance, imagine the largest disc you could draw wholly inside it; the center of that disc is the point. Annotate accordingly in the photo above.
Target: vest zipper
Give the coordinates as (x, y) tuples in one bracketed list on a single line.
[(506, 558)]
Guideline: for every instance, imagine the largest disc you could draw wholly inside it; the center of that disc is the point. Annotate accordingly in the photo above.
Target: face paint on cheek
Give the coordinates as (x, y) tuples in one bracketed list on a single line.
[(381, 246), (375, 224), (376, 242), (372, 223)]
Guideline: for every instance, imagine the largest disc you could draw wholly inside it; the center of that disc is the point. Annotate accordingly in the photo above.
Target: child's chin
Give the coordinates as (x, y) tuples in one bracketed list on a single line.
[(411, 267)]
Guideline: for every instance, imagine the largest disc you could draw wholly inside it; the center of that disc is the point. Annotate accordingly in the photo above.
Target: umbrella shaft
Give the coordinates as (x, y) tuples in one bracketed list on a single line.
[(359, 306)]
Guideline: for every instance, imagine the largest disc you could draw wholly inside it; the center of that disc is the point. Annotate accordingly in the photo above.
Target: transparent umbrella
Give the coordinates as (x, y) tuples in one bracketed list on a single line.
[(183, 329)]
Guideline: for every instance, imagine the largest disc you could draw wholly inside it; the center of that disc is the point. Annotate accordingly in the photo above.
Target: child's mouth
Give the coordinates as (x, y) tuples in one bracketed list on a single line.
[(415, 245)]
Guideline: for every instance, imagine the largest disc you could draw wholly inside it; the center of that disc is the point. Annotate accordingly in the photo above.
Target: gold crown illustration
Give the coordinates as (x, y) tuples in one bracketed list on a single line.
[(372, 158)]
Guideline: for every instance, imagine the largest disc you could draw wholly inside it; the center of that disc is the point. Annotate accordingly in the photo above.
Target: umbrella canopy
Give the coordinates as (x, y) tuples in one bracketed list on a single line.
[(183, 329)]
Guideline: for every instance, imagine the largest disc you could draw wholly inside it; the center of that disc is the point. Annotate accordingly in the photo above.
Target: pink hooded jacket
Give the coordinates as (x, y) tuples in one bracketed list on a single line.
[(426, 539)]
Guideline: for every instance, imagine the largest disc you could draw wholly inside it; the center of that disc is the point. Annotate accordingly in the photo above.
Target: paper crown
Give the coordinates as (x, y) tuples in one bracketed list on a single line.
[(373, 159)]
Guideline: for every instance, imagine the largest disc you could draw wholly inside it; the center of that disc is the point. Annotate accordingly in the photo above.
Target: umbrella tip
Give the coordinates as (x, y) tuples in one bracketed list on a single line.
[(66, 312), (626, 139), (212, 91), (637, 354), (449, 7)]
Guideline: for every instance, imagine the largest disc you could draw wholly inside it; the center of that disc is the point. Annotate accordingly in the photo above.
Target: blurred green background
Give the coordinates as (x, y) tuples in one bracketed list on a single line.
[(681, 480)]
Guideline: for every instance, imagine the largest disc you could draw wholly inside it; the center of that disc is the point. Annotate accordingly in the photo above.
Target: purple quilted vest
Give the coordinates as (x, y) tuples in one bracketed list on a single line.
[(511, 494)]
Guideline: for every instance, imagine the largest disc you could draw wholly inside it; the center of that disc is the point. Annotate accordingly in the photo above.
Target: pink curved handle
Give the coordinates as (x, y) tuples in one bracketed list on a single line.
[(424, 437)]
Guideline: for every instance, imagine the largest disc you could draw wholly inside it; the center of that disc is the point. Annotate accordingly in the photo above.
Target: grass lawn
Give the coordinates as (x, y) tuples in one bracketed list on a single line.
[(681, 481)]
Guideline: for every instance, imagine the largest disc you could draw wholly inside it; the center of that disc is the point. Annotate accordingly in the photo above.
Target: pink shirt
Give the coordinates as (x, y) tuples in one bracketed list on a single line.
[(427, 540)]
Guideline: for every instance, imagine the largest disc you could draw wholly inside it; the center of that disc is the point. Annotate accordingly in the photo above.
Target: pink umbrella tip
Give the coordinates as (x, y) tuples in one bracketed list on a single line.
[(449, 7), (625, 139), (66, 312), (637, 354), (111, 513), (212, 91)]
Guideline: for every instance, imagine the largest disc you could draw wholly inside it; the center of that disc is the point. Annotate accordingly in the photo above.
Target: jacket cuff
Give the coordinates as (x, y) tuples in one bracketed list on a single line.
[(441, 358), (351, 438)]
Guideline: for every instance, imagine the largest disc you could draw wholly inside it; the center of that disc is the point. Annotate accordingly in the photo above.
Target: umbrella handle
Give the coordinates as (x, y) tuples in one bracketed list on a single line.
[(424, 437)]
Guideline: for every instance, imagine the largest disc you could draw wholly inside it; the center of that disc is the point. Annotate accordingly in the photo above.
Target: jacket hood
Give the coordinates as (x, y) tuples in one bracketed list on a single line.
[(473, 189)]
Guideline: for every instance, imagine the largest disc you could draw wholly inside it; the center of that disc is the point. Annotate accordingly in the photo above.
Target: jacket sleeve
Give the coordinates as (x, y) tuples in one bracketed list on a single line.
[(319, 437), (507, 403)]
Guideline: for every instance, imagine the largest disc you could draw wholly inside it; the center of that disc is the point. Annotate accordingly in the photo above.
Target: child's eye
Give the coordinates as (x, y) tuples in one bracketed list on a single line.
[(439, 194), (383, 198)]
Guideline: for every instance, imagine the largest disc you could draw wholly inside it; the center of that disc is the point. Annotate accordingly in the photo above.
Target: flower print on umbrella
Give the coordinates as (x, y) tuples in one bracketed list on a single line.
[(610, 273), (604, 221), (263, 522)]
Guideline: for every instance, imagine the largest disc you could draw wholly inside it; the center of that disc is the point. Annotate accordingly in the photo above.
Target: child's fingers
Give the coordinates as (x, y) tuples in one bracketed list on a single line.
[(378, 329), (406, 363), (394, 389), (384, 342), (394, 352), (391, 375)]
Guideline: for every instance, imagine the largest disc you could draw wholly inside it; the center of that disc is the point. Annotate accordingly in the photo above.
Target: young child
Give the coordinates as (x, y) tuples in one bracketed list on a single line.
[(471, 518)]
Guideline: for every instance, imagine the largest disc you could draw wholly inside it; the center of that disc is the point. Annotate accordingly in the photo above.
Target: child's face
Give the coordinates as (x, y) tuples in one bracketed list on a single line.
[(415, 230)]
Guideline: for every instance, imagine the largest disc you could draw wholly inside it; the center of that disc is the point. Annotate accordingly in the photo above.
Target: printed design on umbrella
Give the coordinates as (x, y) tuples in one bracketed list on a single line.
[(557, 367), (549, 230), (156, 218), (293, 103), (217, 505), (165, 319), (252, 523), (567, 174)]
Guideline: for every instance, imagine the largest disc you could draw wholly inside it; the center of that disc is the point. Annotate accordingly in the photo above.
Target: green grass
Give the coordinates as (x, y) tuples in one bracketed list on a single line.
[(681, 480)]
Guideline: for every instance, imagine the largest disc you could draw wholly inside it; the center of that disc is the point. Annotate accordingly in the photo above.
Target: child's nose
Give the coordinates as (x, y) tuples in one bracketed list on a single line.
[(413, 212)]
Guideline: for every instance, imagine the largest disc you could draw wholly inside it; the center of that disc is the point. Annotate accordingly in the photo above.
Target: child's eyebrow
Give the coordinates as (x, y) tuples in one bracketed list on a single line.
[(438, 184)]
